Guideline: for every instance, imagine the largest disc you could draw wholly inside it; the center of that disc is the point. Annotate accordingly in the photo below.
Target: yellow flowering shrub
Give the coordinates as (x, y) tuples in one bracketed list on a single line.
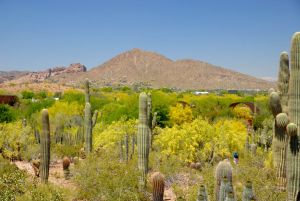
[(180, 114), (243, 112), (200, 140), (108, 136)]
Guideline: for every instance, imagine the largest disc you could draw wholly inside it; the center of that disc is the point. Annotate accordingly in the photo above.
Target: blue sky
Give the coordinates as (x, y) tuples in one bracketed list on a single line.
[(243, 35)]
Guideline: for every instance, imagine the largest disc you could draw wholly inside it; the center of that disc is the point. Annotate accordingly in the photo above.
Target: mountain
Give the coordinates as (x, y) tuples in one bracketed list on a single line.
[(139, 67), (10, 75)]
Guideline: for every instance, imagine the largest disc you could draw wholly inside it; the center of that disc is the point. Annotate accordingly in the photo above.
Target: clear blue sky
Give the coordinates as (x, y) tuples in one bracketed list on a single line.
[(243, 35)]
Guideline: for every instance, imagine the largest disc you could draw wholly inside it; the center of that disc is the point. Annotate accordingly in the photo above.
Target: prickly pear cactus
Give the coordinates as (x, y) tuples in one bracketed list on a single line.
[(66, 169), (223, 169), (293, 171), (158, 184), (45, 147), (143, 140)]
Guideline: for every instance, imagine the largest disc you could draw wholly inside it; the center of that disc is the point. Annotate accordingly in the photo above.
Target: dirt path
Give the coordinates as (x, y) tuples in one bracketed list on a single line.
[(56, 175)]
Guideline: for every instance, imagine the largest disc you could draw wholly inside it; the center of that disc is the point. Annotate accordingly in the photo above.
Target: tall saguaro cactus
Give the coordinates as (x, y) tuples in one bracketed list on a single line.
[(293, 162), (88, 127), (45, 147), (149, 116), (87, 90), (283, 80), (143, 140)]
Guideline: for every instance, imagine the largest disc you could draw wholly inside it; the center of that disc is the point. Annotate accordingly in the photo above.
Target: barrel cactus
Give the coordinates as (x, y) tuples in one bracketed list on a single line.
[(158, 184), (202, 194), (66, 169), (223, 169), (45, 147), (225, 188), (293, 160), (248, 193), (143, 140)]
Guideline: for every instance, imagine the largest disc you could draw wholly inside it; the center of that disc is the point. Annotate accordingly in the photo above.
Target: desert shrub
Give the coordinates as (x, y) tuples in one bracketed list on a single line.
[(180, 114), (12, 181), (243, 112), (6, 114), (73, 95), (202, 141), (107, 89), (41, 94), (28, 108), (42, 192), (14, 139), (103, 177), (27, 94), (107, 136)]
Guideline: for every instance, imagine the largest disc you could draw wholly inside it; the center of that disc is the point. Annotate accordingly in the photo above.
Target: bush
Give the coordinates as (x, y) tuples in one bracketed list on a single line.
[(27, 94), (12, 181), (6, 114), (105, 178)]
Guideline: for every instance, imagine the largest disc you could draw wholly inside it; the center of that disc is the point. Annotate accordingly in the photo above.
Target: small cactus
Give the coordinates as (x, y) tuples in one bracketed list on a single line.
[(202, 194), (158, 183), (223, 169), (36, 167), (66, 165), (230, 196), (248, 193), (45, 147), (225, 188)]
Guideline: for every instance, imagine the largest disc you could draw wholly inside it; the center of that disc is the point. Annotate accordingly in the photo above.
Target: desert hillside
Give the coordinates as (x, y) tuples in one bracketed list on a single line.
[(151, 69)]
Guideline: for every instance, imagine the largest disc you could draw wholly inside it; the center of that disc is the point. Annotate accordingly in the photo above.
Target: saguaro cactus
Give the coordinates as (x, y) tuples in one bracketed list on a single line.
[(224, 169), (293, 171), (283, 80), (276, 108), (225, 189), (87, 90), (88, 128), (149, 116), (158, 183), (143, 140), (45, 147)]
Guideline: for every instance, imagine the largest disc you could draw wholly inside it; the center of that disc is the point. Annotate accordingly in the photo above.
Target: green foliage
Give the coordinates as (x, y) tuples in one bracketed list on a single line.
[(73, 95), (29, 108), (27, 94), (41, 95), (106, 89), (6, 114), (12, 181)]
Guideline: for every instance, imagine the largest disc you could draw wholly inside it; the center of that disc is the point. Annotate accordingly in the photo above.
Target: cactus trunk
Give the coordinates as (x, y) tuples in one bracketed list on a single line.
[(45, 147), (143, 140), (88, 128), (283, 80), (293, 170)]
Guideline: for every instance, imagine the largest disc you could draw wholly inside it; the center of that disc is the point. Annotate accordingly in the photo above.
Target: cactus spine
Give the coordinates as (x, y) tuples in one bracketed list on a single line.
[(88, 127), (158, 182), (283, 80), (66, 165), (224, 169), (293, 172), (45, 147), (143, 140)]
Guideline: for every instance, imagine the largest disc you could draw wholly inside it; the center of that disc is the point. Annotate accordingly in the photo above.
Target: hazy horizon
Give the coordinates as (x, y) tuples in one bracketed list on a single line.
[(243, 36)]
